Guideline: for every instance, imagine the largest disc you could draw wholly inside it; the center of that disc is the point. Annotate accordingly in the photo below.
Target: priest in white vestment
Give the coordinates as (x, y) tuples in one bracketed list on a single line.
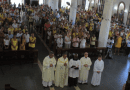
[(74, 67), (85, 67), (97, 71), (49, 63), (61, 74)]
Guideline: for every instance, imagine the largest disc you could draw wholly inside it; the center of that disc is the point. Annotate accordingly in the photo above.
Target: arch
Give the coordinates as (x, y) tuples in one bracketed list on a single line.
[(118, 9)]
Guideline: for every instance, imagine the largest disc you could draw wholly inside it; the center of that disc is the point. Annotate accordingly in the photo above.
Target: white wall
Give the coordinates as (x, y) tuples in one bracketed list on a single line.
[(116, 3)]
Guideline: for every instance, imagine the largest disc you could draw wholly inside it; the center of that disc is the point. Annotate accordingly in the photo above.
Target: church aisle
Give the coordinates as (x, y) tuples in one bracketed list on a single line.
[(27, 78), (113, 77)]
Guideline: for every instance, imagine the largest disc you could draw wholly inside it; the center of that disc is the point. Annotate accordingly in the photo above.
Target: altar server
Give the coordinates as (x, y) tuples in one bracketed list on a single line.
[(74, 67), (97, 71)]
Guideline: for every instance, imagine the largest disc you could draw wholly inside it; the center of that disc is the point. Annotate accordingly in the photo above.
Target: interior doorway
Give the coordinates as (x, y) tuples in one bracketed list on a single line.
[(120, 11)]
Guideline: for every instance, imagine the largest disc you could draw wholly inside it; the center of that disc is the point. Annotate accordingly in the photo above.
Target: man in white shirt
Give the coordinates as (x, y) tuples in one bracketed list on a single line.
[(56, 36), (126, 29), (67, 41), (19, 34), (110, 43), (49, 34), (60, 42), (74, 67), (82, 43), (128, 46), (15, 25), (26, 35)]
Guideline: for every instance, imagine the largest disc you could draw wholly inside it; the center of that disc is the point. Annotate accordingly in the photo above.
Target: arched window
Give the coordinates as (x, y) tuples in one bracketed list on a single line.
[(40, 2), (16, 2), (63, 3)]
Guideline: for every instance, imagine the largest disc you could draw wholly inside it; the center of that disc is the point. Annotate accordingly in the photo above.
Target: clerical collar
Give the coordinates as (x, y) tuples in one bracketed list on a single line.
[(75, 59), (86, 57)]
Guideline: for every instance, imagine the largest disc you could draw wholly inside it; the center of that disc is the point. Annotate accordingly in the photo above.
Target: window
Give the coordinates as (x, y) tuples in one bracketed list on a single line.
[(16, 2), (63, 3)]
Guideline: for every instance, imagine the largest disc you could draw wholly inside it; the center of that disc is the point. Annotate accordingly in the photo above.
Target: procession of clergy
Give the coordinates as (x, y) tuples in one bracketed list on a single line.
[(66, 72)]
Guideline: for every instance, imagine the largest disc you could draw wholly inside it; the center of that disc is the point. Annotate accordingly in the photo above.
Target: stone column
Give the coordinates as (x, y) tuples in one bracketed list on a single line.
[(90, 4), (105, 24), (55, 5), (79, 2), (73, 10), (48, 2)]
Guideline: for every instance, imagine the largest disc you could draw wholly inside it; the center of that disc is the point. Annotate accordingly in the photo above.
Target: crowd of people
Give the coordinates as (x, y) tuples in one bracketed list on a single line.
[(85, 31), (16, 24), (82, 33), (13, 29)]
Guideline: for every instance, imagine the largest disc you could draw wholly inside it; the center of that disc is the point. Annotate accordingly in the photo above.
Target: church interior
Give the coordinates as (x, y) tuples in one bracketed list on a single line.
[(31, 29)]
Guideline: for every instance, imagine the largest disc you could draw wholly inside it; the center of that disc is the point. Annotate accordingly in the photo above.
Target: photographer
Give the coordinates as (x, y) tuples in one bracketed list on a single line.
[(128, 46), (110, 43)]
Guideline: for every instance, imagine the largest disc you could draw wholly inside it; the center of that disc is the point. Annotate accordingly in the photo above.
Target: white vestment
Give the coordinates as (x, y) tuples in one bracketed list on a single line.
[(73, 73), (98, 66), (61, 74), (83, 77), (48, 72)]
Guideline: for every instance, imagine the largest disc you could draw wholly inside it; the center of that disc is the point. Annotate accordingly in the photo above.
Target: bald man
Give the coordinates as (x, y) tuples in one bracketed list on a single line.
[(85, 67)]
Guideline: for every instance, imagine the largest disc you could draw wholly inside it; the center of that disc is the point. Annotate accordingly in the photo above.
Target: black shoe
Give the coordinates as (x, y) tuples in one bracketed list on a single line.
[(44, 87)]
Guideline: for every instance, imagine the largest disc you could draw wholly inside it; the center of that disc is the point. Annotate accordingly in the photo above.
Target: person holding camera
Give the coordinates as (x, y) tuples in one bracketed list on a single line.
[(110, 43), (128, 46)]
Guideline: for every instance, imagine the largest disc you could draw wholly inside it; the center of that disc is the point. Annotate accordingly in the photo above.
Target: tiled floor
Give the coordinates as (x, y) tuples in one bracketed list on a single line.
[(27, 78)]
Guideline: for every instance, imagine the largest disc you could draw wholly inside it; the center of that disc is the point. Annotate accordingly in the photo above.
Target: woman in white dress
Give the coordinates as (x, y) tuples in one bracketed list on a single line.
[(97, 71)]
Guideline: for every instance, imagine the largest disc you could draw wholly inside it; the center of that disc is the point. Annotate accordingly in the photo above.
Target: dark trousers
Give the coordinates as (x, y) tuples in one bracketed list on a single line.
[(30, 23), (127, 50), (92, 46), (30, 48), (26, 46), (72, 81)]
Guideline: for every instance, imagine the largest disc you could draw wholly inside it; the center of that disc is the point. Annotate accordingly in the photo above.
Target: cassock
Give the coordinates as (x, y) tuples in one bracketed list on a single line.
[(74, 71), (84, 70), (98, 66), (48, 72), (61, 74)]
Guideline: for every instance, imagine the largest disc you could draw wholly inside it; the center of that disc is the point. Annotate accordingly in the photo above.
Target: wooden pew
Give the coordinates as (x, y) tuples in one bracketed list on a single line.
[(8, 87), (95, 51), (8, 57)]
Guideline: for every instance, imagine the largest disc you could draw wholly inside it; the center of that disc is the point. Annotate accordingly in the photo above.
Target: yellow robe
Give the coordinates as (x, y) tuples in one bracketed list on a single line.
[(84, 70), (48, 72), (61, 74)]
